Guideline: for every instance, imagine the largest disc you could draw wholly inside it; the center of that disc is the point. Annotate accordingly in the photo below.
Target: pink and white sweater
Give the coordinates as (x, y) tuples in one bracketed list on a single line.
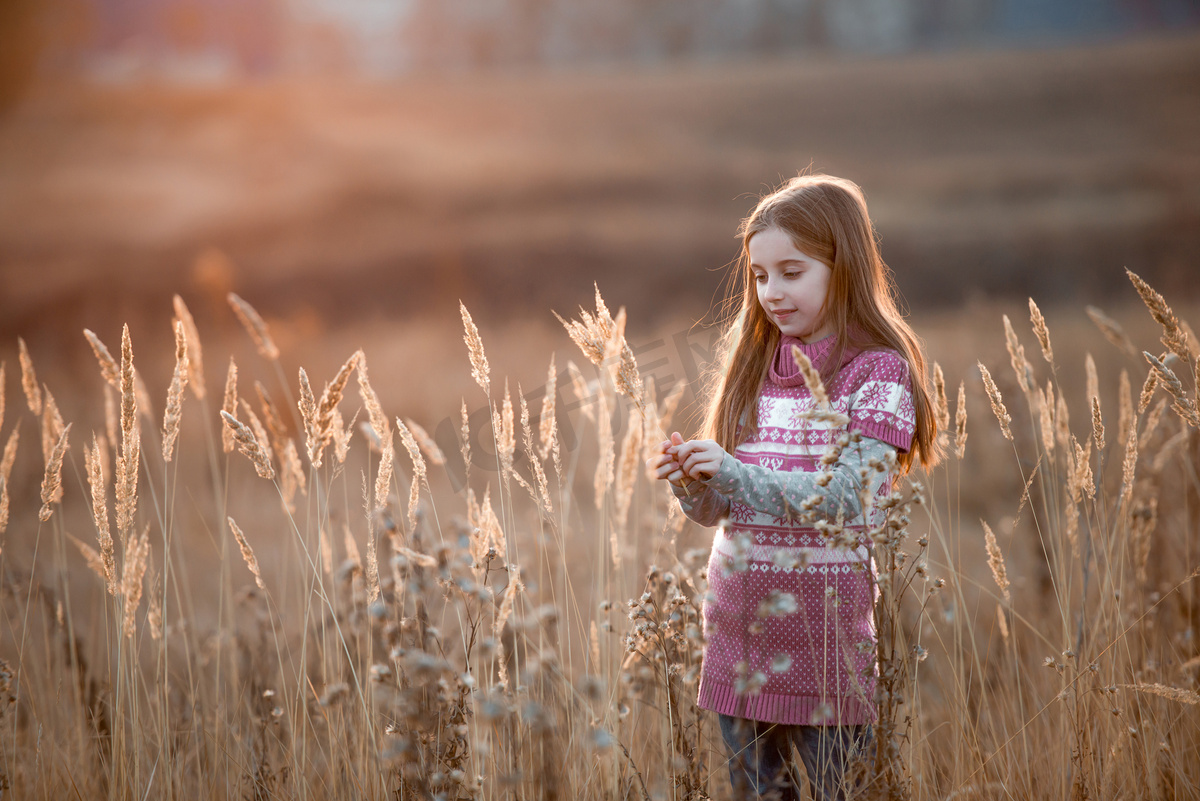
[(789, 619)]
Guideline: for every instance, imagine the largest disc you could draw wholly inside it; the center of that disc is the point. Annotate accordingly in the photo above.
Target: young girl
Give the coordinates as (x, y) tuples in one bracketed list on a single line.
[(792, 482)]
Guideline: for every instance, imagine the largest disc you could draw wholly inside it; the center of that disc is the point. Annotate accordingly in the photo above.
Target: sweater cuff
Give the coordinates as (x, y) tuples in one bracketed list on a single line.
[(729, 476)]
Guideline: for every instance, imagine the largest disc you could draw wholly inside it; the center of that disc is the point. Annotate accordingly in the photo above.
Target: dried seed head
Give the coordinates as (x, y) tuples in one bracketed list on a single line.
[(1016, 354), (479, 364), (255, 327), (1112, 330), (1184, 406), (137, 557), (960, 421), (92, 458), (943, 405), (108, 365), (247, 553), (547, 429), (465, 432), (1041, 331), (229, 406), (52, 480), (327, 407), (1173, 336), (248, 443), (997, 402), (427, 443), (174, 411), (131, 443), (996, 561), (195, 354), (812, 379), (1097, 425), (29, 382)]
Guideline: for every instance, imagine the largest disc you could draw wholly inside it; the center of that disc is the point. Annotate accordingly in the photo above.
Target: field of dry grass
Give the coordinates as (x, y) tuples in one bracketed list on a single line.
[(347, 608)]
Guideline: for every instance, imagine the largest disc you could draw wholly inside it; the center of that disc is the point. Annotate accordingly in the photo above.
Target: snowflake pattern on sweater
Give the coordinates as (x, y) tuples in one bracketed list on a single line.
[(789, 620)]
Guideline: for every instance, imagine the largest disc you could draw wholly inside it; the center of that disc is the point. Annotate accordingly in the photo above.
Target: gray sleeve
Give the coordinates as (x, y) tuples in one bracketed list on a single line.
[(837, 489), (705, 505)]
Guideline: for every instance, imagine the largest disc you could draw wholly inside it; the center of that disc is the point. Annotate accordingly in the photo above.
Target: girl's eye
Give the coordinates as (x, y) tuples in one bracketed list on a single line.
[(792, 274)]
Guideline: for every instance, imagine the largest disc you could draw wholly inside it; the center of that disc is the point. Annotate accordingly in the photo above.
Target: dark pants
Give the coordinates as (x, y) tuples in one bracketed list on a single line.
[(762, 766)]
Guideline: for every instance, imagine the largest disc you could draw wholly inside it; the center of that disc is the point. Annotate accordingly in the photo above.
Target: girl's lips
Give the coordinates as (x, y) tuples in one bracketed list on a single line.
[(782, 314)]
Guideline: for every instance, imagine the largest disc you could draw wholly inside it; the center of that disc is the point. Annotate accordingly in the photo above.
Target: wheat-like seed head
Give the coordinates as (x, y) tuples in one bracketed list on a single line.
[(997, 402), (195, 353), (128, 462), (291, 474), (52, 424), (247, 553), (812, 379), (1163, 691), (547, 425), (1046, 418), (10, 453), (260, 431), (154, 610), (92, 458), (996, 561), (352, 552), (479, 364), (1141, 528), (3, 504), (373, 591), (583, 395), (229, 406), (272, 420), (1152, 420), (1111, 330), (505, 432), (308, 417), (960, 421), (379, 420), (1041, 331), (94, 561), (427, 443), (383, 478), (109, 368), (419, 469), (29, 382), (255, 327), (1097, 424), (1129, 465), (341, 435), (330, 398), (464, 445), (1184, 406), (1173, 336), (137, 557), (1062, 426), (626, 377), (942, 404), (248, 443), (174, 411), (1016, 354)]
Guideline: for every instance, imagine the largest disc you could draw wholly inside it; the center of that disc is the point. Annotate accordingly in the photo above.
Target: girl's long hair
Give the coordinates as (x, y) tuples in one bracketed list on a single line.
[(826, 218)]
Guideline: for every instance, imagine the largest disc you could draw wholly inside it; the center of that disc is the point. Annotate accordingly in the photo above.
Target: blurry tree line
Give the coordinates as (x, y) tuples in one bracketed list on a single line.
[(227, 39)]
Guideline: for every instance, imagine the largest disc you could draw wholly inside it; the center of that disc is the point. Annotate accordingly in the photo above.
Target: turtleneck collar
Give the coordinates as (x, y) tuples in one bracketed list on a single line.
[(784, 371)]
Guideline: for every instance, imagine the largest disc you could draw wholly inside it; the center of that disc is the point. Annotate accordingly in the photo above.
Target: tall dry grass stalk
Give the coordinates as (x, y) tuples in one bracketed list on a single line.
[(173, 415), (496, 646), (29, 382), (479, 364), (997, 402), (255, 327), (195, 353)]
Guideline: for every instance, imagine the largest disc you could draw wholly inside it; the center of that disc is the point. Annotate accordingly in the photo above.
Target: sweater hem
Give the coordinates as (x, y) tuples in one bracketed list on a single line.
[(787, 710)]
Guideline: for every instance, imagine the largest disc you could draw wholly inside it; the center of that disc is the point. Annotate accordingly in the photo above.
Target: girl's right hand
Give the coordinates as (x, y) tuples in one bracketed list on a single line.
[(664, 464)]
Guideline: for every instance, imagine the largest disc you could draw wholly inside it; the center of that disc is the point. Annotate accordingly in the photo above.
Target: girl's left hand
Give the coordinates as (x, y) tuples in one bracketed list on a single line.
[(699, 458)]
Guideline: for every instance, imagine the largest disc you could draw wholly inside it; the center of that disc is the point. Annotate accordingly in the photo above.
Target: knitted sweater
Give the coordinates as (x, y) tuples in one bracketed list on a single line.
[(789, 618)]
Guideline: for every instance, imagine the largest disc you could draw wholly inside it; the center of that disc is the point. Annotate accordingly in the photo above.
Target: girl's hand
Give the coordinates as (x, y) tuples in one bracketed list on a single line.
[(699, 458), (665, 465)]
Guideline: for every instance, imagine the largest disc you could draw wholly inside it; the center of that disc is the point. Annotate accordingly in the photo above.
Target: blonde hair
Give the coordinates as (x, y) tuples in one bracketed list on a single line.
[(826, 218)]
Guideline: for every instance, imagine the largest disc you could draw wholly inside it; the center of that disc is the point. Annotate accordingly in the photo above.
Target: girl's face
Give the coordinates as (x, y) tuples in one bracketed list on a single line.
[(791, 285)]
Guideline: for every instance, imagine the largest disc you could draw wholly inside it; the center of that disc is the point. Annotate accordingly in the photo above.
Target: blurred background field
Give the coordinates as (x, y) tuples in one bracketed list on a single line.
[(354, 170)]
